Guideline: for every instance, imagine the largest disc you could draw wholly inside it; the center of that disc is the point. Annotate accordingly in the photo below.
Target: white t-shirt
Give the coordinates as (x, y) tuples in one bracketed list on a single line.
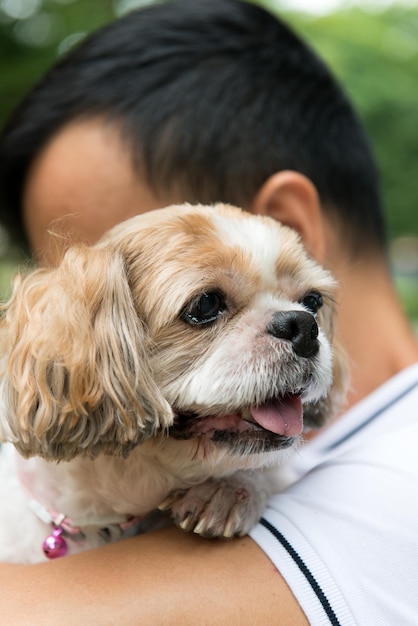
[(344, 533)]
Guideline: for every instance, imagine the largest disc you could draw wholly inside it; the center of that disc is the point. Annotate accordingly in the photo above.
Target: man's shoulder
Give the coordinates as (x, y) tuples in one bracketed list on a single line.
[(387, 413), (343, 534)]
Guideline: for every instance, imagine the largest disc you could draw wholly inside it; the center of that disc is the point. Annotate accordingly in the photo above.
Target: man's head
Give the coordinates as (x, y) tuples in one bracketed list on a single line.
[(192, 101)]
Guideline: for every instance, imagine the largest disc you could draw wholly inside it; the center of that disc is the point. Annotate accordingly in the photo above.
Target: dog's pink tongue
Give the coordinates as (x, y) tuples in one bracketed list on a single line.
[(283, 416)]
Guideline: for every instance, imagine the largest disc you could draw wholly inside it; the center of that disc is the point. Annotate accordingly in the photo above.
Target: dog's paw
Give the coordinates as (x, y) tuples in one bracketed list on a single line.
[(216, 508)]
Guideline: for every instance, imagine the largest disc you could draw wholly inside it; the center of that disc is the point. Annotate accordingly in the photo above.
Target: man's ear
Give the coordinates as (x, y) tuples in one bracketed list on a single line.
[(292, 199)]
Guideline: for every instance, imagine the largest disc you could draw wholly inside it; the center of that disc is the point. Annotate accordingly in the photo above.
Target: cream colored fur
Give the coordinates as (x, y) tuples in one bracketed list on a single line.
[(99, 361)]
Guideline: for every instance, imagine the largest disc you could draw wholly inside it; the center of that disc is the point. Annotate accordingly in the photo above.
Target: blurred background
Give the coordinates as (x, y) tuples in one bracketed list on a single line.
[(372, 46)]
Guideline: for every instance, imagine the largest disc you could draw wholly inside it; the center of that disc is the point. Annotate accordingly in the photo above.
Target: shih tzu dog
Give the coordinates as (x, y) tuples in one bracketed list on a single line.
[(168, 366)]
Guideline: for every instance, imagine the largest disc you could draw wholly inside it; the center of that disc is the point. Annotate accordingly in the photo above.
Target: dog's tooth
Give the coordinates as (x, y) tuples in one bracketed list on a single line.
[(246, 414)]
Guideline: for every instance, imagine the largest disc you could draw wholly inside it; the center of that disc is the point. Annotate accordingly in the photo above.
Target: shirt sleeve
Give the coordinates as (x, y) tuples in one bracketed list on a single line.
[(344, 536)]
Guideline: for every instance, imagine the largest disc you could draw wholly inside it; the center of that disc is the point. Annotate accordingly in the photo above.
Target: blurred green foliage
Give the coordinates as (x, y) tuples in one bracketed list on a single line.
[(28, 46), (374, 54)]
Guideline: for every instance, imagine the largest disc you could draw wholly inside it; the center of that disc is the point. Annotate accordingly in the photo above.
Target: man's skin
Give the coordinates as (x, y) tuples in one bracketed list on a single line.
[(83, 182), (168, 577)]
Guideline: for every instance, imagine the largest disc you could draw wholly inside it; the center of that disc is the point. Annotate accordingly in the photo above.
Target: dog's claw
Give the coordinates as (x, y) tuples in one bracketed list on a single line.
[(216, 508), (201, 526), (168, 502), (228, 531), (186, 523)]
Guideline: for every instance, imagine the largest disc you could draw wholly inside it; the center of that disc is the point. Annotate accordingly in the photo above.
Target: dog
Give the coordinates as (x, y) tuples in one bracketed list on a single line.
[(167, 367)]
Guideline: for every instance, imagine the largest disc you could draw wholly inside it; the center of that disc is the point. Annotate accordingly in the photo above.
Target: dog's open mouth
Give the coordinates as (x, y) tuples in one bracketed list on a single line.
[(268, 426)]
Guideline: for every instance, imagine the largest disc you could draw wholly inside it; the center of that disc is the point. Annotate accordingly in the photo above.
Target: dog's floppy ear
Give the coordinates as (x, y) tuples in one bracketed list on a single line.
[(76, 378)]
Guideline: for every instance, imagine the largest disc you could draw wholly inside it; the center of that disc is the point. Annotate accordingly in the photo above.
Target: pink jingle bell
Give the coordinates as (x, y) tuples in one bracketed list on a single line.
[(55, 546)]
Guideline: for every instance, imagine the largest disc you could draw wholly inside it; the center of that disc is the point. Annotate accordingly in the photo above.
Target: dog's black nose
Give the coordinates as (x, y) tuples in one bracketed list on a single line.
[(299, 327)]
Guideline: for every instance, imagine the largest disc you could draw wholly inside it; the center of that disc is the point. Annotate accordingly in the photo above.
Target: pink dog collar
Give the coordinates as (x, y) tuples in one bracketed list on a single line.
[(55, 545)]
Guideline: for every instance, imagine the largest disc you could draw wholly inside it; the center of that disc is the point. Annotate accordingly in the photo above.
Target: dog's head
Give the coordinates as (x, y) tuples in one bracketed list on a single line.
[(188, 322)]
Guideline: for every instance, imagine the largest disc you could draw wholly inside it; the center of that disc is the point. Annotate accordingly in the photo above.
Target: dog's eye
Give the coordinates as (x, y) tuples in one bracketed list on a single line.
[(312, 301), (205, 310)]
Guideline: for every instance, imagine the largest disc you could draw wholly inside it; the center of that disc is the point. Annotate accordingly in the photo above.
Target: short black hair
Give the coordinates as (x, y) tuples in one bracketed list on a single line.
[(214, 96)]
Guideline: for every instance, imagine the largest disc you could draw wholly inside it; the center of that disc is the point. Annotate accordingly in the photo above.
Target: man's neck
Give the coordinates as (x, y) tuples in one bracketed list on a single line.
[(372, 327)]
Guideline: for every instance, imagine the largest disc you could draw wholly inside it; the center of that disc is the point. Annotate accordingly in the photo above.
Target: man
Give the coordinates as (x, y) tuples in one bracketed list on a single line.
[(218, 101)]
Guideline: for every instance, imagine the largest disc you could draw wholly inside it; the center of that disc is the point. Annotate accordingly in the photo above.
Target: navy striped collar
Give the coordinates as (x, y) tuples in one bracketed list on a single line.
[(371, 417)]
